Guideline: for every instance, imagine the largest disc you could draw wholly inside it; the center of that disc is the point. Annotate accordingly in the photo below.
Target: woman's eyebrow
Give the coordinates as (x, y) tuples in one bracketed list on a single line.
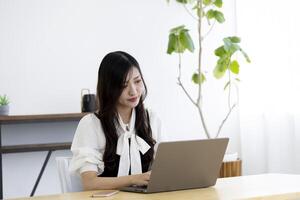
[(138, 76)]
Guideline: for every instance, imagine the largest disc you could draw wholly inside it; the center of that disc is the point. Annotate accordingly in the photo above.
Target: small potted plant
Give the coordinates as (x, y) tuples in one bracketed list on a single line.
[(4, 105)]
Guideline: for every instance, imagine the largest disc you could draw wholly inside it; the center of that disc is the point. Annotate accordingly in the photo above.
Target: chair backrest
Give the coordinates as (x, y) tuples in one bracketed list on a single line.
[(69, 182)]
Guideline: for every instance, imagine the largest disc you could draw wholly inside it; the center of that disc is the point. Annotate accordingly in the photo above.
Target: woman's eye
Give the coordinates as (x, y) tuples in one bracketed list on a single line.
[(138, 81)]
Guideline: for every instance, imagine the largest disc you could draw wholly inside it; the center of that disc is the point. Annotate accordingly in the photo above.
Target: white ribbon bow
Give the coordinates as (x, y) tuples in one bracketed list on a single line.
[(129, 154)]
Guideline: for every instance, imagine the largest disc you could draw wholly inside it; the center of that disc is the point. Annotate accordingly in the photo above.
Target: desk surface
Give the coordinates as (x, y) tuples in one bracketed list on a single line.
[(268, 186)]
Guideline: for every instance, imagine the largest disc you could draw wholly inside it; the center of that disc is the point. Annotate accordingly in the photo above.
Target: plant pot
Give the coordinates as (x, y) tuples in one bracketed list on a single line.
[(230, 169), (4, 110)]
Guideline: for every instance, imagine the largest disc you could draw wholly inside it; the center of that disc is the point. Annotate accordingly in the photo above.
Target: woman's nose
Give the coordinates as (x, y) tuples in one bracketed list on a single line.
[(132, 90)]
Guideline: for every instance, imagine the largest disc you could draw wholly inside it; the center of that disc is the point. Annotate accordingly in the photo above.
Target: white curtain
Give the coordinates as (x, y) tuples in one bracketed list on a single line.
[(270, 86)]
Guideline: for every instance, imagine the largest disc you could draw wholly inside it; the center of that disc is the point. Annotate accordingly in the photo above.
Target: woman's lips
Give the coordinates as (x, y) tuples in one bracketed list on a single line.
[(133, 99)]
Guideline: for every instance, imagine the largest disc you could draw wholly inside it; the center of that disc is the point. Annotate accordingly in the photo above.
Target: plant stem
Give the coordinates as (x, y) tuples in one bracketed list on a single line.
[(229, 89), (224, 120), (199, 99), (229, 103), (210, 29), (185, 91), (203, 122), (187, 10), (180, 83), (199, 5)]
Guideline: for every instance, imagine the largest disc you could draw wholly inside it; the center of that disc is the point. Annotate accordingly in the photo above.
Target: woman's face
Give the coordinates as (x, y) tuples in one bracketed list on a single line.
[(133, 90)]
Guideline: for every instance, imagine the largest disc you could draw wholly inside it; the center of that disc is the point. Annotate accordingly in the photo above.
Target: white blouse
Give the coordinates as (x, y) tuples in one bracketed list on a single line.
[(89, 145)]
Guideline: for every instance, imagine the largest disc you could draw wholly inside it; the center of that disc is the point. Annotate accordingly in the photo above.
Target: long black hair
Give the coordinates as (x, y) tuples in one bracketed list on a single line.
[(112, 74)]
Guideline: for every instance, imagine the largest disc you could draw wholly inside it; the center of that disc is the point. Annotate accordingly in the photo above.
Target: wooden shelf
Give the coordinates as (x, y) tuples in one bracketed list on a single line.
[(35, 147), (13, 119), (50, 147)]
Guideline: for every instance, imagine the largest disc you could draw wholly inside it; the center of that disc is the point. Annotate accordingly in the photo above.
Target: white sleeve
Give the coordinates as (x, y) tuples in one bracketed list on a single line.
[(88, 146), (156, 127)]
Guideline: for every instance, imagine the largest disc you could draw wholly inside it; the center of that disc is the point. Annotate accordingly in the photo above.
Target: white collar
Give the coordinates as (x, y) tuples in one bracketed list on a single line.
[(130, 160)]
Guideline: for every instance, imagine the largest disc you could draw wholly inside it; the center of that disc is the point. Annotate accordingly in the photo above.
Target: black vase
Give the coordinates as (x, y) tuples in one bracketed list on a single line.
[(88, 103)]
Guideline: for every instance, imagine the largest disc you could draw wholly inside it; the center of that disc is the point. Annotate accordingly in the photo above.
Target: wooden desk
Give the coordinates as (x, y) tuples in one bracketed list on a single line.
[(264, 186)]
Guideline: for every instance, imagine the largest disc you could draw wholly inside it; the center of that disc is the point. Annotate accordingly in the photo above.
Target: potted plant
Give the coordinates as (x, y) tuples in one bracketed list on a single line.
[(4, 105), (226, 66)]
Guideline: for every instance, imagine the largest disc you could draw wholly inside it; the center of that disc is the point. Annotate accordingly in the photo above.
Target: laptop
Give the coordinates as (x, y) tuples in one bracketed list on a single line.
[(184, 165)]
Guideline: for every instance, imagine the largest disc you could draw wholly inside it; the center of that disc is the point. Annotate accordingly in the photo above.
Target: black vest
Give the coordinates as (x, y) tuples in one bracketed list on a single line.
[(113, 172)]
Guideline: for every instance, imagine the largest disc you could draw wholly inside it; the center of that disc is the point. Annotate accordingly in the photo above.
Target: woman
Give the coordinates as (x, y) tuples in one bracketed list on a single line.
[(114, 146)]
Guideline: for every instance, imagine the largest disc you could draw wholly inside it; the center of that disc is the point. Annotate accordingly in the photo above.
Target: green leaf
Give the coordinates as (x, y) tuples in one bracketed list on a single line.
[(234, 67), (220, 51), (218, 74), (229, 46), (182, 1), (180, 40), (220, 70), (206, 2), (172, 43), (197, 79), (4, 100), (218, 3), (219, 16), (234, 39), (186, 40), (237, 79), (234, 47), (179, 47), (177, 29), (227, 84), (175, 44), (224, 60), (210, 14)]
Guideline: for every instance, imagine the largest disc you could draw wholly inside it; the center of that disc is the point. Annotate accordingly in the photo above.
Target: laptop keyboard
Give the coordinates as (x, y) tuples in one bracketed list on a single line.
[(140, 186)]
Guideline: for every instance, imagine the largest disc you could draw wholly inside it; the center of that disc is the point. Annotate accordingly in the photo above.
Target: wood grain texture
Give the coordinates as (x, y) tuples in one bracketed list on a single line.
[(231, 169), (255, 187), (14, 119), (35, 147)]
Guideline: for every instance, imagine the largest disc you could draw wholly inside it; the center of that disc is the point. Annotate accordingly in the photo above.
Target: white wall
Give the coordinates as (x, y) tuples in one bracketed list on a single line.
[(51, 49), (270, 97)]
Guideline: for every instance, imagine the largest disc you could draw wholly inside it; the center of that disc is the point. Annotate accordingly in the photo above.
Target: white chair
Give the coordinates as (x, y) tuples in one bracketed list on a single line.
[(69, 182)]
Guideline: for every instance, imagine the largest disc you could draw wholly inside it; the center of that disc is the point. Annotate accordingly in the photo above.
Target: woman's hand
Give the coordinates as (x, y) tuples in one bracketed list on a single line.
[(91, 181), (140, 179)]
